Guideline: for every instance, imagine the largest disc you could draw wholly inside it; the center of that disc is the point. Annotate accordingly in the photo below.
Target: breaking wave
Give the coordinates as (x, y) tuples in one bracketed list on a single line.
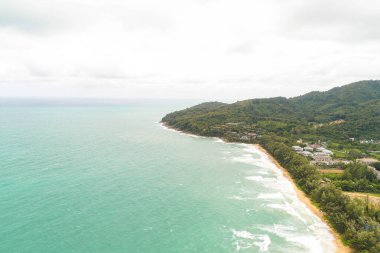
[(246, 240)]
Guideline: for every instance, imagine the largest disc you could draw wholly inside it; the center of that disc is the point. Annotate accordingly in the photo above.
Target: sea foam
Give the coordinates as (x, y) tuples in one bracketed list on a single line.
[(255, 178), (308, 242), (265, 173), (276, 195), (246, 240)]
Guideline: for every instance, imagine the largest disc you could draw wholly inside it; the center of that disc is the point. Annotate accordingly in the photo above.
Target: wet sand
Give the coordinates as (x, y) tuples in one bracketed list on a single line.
[(303, 197)]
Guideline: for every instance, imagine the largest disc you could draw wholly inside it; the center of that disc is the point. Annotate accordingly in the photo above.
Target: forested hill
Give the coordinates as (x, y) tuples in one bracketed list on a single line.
[(343, 112), (332, 117)]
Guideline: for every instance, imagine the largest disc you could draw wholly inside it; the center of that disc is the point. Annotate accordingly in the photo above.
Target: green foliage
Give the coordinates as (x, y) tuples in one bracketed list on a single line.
[(376, 165), (360, 185), (357, 221), (332, 176), (309, 116), (336, 115), (359, 178), (359, 171)]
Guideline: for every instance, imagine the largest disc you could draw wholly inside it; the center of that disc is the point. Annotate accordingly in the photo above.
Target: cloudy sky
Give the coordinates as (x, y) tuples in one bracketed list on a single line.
[(209, 49)]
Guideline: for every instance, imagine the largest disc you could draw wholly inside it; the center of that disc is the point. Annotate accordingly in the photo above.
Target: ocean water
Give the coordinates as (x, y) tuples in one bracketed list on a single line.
[(107, 177)]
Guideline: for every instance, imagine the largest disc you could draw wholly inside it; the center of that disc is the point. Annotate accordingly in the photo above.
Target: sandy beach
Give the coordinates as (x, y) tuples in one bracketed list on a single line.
[(302, 196), (340, 247)]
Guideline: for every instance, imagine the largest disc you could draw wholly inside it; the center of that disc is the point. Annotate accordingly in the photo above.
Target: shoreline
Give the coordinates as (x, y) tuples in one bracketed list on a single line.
[(340, 247), (337, 240)]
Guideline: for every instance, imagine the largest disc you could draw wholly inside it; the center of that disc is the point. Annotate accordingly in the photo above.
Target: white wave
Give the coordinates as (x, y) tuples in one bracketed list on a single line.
[(192, 135), (178, 131), (240, 198), (167, 128), (218, 140), (283, 185), (316, 239), (255, 178), (246, 158), (246, 240), (261, 172), (249, 148), (255, 157), (288, 208), (276, 195), (309, 240), (249, 210)]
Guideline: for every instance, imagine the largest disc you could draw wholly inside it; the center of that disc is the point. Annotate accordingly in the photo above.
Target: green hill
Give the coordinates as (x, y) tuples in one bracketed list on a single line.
[(343, 112), (335, 116)]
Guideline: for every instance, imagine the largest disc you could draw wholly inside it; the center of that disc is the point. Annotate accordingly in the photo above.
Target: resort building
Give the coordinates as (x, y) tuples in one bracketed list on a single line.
[(322, 158), (305, 153), (245, 138), (310, 149), (314, 145), (367, 160), (324, 150), (252, 135)]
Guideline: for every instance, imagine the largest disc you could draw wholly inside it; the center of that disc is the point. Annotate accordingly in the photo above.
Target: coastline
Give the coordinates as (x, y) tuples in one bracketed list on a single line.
[(340, 247)]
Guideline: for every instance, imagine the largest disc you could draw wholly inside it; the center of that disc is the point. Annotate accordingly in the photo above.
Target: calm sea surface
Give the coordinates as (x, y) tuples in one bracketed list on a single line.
[(107, 177)]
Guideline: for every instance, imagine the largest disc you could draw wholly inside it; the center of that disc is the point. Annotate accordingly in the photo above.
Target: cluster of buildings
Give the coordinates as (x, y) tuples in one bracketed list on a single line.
[(244, 136), (369, 141), (365, 141), (367, 160), (248, 136), (237, 131), (320, 154)]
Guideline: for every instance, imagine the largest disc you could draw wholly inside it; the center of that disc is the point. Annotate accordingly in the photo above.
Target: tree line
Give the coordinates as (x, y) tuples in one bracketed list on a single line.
[(357, 220)]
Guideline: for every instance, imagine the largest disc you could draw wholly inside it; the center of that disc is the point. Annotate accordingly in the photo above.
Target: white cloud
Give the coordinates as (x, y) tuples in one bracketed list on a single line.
[(214, 49), (344, 21)]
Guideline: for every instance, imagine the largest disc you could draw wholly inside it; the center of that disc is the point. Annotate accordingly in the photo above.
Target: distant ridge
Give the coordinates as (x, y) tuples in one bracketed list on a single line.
[(344, 119), (357, 104)]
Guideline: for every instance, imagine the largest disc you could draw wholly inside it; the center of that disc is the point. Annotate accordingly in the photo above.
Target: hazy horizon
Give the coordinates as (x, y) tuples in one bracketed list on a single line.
[(125, 99), (211, 50)]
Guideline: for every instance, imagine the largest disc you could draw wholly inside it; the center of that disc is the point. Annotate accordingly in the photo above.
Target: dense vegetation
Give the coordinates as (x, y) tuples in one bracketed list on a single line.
[(351, 111), (356, 220), (358, 177), (334, 116)]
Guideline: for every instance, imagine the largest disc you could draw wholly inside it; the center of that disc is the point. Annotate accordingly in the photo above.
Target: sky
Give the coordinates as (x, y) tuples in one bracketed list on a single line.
[(205, 49)]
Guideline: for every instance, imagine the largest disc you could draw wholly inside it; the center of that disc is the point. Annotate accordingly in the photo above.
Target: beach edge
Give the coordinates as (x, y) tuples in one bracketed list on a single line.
[(340, 247)]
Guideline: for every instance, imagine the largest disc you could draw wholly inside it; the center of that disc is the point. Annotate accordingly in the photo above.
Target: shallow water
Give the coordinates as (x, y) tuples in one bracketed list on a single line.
[(109, 178)]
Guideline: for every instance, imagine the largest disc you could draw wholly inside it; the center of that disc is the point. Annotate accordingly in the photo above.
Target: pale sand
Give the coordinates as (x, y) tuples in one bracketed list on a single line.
[(303, 197), (341, 248), (332, 171)]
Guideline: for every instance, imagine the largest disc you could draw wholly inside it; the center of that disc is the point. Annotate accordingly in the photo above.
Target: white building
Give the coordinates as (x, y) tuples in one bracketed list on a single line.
[(245, 138), (305, 153), (324, 150), (367, 160), (322, 158), (297, 148), (310, 149)]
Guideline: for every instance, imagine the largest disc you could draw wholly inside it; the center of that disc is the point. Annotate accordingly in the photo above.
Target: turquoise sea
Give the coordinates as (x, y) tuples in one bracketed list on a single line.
[(104, 176)]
